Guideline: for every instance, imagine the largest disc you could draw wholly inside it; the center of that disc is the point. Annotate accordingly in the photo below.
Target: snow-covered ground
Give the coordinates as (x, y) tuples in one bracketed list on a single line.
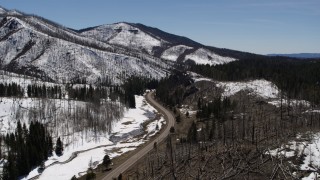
[(205, 56), (185, 108), (123, 137), (308, 150), (24, 81), (262, 88), (291, 102), (312, 111), (197, 77)]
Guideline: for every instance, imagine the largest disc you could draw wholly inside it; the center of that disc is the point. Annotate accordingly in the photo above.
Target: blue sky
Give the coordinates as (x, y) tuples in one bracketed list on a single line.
[(273, 26)]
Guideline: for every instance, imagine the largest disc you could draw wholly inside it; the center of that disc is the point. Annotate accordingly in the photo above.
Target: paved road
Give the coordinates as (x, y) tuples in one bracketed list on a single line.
[(133, 159)]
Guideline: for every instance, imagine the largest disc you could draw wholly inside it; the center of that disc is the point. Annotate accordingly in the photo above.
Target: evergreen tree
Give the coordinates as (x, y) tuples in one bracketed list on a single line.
[(10, 171), (59, 147), (49, 145), (27, 149), (192, 134), (172, 130), (178, 118), (90, 174), (106, 161)]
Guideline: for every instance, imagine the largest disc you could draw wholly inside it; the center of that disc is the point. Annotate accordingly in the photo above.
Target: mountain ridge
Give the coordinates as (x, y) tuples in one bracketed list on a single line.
[(55, 52), (124, 33), (298, 55), (40, 47)]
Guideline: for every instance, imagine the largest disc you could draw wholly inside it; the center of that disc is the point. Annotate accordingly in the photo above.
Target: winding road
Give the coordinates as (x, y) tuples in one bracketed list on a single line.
[(164, 133)]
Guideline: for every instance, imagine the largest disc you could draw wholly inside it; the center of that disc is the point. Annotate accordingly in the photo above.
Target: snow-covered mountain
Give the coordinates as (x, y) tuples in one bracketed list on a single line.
[(156, 43), (35, 46), (126, 35), (39, 47)]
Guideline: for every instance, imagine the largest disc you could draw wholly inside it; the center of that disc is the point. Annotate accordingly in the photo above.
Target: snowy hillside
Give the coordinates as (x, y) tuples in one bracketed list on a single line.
[(87, 129), (135, 128), (205, 56), (35, 46), (125, 35), (174, 52), (27, 50), (155, 42), (261, 88)]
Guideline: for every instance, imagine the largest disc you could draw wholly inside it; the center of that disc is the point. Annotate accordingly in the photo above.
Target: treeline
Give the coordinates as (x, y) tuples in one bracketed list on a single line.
[(299, 79), (136, 86), (9, 90), (214, 113), (84, 93), (171, 90), (38, 91), (133, 86), (27, 148), (216, 108), (34, 90)]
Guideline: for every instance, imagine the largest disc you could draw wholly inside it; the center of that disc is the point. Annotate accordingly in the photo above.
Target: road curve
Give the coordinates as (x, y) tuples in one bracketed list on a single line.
[(164, 133)]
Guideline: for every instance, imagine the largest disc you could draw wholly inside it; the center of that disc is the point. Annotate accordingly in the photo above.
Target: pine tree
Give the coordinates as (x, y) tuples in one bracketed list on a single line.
[(27, 149), (178, 118), (59, 147), (192, 134), (90, 174), (172, 130), (106, 161), (10, 171), (49, 145)]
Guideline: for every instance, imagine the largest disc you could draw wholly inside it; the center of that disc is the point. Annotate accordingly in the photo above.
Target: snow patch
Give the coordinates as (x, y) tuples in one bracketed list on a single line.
[(174, 52), (205, 56), (309, 150), (197, 77), (185, 108), (291, 102), (262, 88), (312, 111)]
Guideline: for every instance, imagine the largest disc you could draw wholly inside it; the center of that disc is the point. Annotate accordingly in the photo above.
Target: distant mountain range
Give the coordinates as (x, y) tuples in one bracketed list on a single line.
[(299, 55)]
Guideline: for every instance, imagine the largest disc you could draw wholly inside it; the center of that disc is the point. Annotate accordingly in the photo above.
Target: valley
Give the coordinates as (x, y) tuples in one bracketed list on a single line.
[(130, 101)]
